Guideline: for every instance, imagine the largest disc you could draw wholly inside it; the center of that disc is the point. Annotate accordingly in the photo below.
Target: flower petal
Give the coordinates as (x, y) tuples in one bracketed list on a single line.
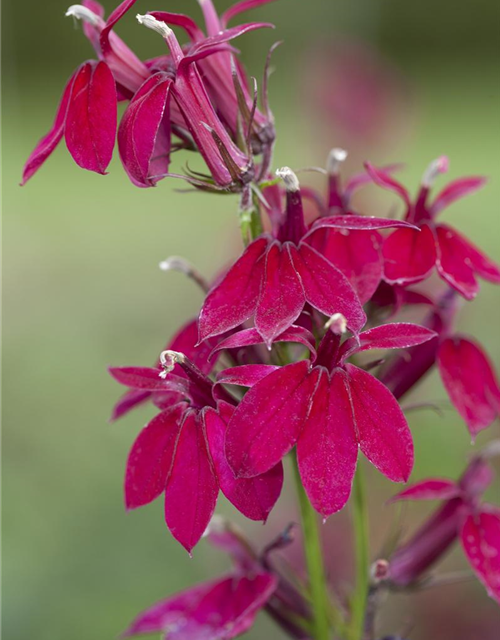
[(456, 190), (409, 256), (192, 488), (356, 253), (50, 140), (144, 133), (241, 7), (281, 297), (146, 378), (383, 433), (326, 288), (246, 375), (453, 262), (253, 497), (269, 419), (116, 15), (180, 20), (233, 300), (430, 489), (150, 458), (480, 537), (128, 401), (470, 382), (357, 222), (327, 449), (90, 129), (386, 181)]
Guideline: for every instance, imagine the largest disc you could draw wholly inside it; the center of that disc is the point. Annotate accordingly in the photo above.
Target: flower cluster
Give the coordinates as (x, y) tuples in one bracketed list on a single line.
[(277, 362)]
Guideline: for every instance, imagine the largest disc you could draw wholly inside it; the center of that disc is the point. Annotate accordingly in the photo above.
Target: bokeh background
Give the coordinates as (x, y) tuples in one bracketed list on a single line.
[(388, 80)]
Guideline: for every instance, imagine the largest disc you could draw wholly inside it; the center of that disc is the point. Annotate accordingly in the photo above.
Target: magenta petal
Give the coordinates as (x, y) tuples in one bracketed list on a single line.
[(409, 256), (146, 378), (217, 610), (114, 17), (281, 297), (269, 419), (233, 300), (253, 497), (456, 190), (185, 341), (396, 335), (227, 35), (386, 181), (128, 401), (480, 538), (327, 449), (241, 7), (362, 223), (246, 375), (362, 179), (326, 288), (192, 488), (180, 20), (144, 133), (431, 489), (90, 128), (470, 382), (356, 253), (150, 458), (383, 433), (49, 141), (484, 266), (453, 264)]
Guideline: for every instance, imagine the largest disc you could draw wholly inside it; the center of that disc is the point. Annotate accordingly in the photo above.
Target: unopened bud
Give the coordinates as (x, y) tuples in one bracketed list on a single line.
[(440, 165), (337, 323), (168, 360), (336, 158), (289, 178)]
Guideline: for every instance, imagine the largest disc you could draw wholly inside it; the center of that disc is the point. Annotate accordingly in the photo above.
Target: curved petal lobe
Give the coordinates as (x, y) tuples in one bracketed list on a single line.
[(409, 256)]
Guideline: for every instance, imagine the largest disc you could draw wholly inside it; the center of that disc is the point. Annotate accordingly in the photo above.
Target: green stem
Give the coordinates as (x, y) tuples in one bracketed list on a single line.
[(314, 559), (360, 526)]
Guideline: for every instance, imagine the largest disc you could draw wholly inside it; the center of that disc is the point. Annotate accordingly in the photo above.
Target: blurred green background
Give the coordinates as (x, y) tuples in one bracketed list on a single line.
[(82, 290)]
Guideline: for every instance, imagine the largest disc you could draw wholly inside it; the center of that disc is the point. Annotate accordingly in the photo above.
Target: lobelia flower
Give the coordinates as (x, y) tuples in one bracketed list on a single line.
[(180, 452), (280, 272), (410, 257), (216, 610), (462, 516), (87, 112), (329, 409)]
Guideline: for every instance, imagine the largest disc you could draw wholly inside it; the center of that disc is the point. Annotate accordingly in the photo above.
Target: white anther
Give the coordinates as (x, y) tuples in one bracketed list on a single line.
[(173, 263), (217, 524), (156, 25), (168, 360), (289, 178), (440, 165), (337, 323), (82, 13), (335, 159)]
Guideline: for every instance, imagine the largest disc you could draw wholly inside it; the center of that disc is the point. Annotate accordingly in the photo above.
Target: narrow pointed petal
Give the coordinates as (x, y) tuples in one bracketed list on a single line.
[(49, 141), (386, 181), (361, 223), (431, 489), (409, 256), (456, 190), (361, 179), (146, 378), (246, 375), (192, 487), (453, 264), (225, 608), (241, 7), (356, 253), (383, 433), (150, 458), (180, 20), (144, 133), (253, 497), (395, 335), (281, 297), (484, 266), (249, 337), (326, 288), (90, 129), (470, 381), (129, 401), (480, 537), (114, 17), (327, 449), (268, 421), (226, 36), (234, 299)]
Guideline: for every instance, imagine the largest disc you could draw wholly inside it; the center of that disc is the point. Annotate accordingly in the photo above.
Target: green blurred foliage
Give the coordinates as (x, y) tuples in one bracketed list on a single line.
[(82, 290)]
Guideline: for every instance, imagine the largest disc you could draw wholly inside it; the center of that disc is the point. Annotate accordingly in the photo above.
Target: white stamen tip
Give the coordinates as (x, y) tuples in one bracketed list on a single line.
[(173, 263), (289, 178), (337, 323), (440, 165), (156, 25), (335, 158), (216, 525), (168, 360), (82, 13)]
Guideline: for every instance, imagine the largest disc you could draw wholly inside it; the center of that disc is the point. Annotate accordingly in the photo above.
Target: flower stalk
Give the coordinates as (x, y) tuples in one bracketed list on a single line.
[(362, 554)]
